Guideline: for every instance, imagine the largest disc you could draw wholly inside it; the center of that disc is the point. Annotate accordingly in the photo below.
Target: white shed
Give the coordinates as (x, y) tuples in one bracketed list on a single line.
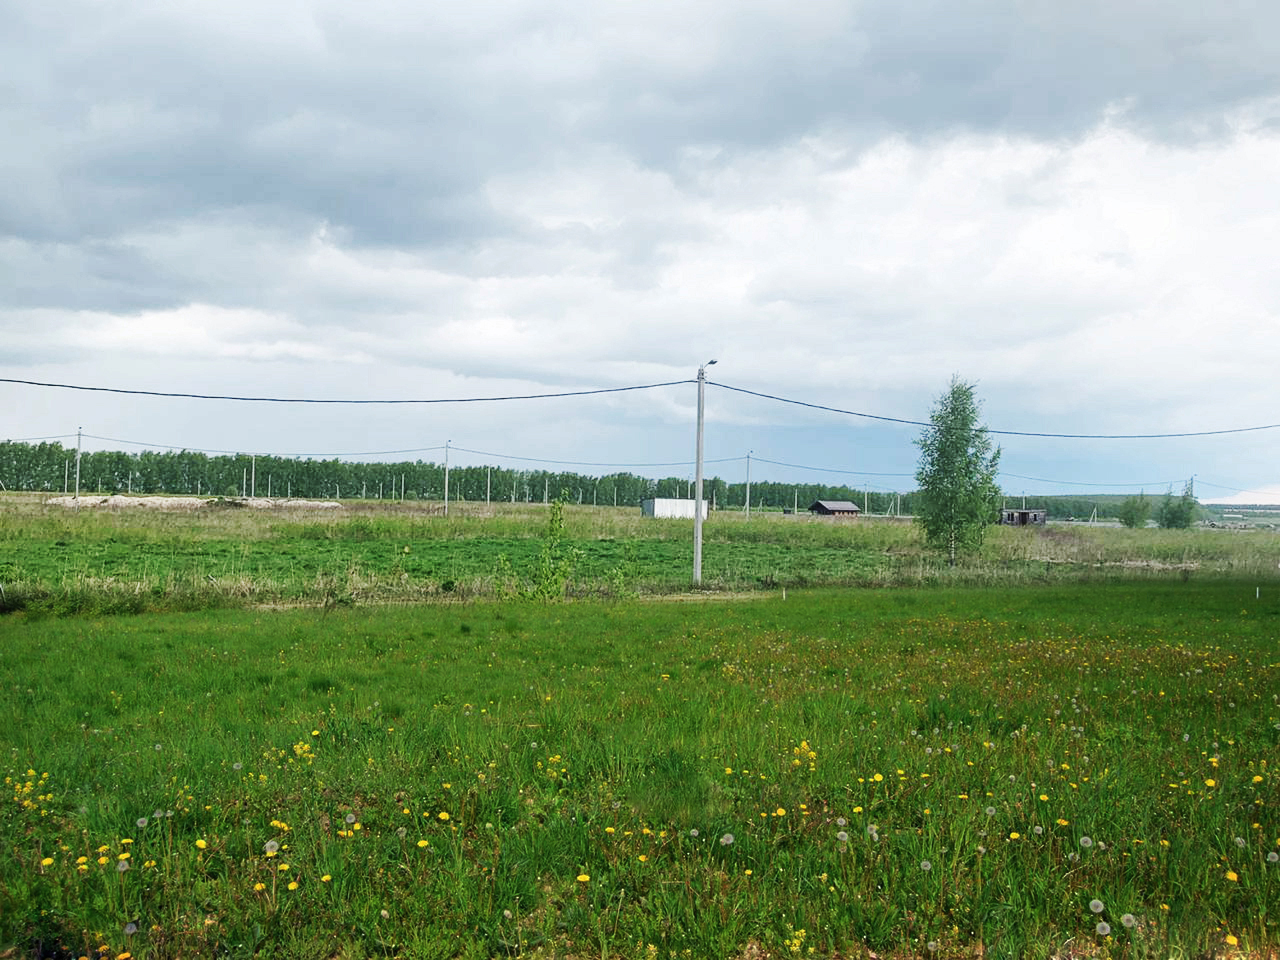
[(670, 507)]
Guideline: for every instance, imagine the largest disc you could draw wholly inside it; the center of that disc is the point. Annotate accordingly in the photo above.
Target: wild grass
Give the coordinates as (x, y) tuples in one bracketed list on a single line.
[(924, 773), (67, 561)]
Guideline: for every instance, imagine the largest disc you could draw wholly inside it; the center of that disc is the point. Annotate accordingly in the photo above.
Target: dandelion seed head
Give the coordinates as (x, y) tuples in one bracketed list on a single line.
[(842, 836), (1273, 857), (982, 849), (841, 822), (384, 914), (401, 833), (130, 929), (1103, 928), (141, 822), (1086, 842), (932, 946), (1096, 906), (1240, 842), (926, 866), (693, 832), (237, 765), (726, 840), (506, 914), (122, 866), (1037, 830), (990, 811), (1129, 921), (350, 818)]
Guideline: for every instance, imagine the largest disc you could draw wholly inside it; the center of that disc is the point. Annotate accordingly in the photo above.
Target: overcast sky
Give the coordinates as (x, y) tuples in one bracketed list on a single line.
[(1073, 205)]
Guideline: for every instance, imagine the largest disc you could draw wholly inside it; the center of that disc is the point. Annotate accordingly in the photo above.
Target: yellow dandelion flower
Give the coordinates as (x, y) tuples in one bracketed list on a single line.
[(748, 872), (259, 887), (644, 858), (1014, 835), (1210, 782), (201, 844), (423, 843), (1232, 876), (326, 878), (584, 877), (878, 777), (293, 884), (1231, 940), (443, 815), (47, 862), (857, 809), (1044, 796), (102, 860), (609, 830), (780, 812)]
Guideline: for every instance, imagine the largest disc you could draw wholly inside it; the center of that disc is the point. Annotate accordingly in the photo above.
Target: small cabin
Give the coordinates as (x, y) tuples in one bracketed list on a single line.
[(834, 508), (1023, 518)]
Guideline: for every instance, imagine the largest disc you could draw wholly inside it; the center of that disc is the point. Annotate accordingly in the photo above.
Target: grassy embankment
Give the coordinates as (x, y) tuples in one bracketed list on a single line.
[(135, 560), (944, 773)]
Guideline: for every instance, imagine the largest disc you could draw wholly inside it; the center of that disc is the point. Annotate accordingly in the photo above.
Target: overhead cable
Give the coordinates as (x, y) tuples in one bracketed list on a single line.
[(323, 400), (1006, 433), (250, 453)]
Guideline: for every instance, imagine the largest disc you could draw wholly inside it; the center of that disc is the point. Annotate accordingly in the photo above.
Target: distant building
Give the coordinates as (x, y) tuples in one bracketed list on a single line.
[(669, 507), (1023, 518), (834, 508)]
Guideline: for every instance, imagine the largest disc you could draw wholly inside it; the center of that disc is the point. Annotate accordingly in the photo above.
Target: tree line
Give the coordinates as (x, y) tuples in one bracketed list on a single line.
[(50, 467)]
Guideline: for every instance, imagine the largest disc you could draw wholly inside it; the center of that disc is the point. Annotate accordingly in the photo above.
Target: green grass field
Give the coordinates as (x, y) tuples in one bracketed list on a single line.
[(1085, 769), (63, 561)]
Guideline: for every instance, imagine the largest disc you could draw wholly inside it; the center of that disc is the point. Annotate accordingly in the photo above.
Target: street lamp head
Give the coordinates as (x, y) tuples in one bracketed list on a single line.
[(711, 363)]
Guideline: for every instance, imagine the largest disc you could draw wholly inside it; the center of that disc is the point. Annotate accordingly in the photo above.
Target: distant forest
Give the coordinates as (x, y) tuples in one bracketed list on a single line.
[(50, 468)]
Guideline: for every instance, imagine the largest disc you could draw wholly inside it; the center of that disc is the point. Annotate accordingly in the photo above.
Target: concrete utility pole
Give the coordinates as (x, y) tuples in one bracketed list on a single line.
[(749, 484), (488, 484), (78, 429), (446, 477), (697, 492), (253, 474)]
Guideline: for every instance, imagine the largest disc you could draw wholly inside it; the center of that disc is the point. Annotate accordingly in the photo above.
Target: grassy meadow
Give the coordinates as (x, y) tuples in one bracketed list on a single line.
[(236, 733), (1086, 769), (130, 561)]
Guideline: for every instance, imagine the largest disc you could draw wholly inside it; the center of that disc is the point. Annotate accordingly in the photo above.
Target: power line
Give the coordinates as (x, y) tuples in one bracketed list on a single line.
[(379, 453), (590, 463), (1005, 433), (61, 436), (248, 453), (800, 466), (1085, 483), (647, 386), (322, 400)]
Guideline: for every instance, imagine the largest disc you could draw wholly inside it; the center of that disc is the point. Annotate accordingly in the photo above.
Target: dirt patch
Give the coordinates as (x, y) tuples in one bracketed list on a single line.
[(191, 503)]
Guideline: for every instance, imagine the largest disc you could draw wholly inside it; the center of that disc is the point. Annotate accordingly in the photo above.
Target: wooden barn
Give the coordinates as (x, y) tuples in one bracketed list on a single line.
[(834, 508), (1012, 517)]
